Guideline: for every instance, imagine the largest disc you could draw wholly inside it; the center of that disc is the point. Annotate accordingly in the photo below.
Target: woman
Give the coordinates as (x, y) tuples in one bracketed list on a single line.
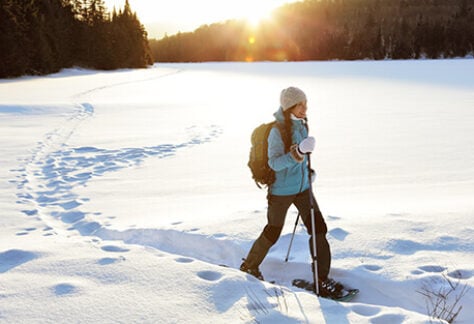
[(288, 145)]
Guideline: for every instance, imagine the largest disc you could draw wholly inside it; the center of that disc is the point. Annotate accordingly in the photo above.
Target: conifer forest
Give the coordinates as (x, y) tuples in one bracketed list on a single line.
[(333, 30), (44, 36)]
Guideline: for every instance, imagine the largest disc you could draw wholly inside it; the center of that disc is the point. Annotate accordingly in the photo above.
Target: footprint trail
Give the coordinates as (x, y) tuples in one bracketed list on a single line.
[(46, 181)]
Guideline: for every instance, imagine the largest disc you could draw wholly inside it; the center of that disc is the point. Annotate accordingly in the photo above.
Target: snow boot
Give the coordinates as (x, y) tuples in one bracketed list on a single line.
[(253, 271), (331, 289), (256, 255)]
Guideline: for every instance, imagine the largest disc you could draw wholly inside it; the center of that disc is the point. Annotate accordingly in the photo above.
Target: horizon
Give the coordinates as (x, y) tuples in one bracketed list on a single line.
[(169, 18)]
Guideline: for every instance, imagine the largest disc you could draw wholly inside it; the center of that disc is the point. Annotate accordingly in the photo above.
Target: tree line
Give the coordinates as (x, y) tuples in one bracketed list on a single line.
[(333, 29), (44, 36)]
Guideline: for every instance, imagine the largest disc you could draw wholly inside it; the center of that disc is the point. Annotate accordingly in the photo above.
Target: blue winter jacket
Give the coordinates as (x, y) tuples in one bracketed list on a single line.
[(291, 176)]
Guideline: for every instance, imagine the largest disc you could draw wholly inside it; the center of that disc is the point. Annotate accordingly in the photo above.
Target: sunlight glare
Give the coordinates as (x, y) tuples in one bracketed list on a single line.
[(255, 12), (185, 15)]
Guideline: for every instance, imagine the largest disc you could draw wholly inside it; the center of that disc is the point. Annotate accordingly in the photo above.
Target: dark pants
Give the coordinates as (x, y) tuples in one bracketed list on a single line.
[(277, 210)]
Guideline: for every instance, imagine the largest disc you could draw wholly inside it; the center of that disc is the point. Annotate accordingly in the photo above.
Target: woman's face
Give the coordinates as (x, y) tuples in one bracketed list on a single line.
[(300, 110)]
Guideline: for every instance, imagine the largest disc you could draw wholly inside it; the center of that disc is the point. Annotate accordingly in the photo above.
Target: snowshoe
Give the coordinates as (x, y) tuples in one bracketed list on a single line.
[(329, 289)]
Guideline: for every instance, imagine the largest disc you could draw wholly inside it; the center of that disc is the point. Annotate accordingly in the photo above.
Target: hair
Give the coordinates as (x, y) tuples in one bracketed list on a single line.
[(287, 135)]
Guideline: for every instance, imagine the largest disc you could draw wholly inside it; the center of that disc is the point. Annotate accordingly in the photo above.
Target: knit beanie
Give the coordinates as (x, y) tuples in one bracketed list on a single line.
[(290, 97)]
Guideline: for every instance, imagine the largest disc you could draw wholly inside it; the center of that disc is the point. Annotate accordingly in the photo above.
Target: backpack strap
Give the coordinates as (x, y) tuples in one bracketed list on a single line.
[(282, 130)]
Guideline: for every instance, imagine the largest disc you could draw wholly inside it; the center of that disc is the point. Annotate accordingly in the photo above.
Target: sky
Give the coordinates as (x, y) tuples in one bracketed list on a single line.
[(162, 17)]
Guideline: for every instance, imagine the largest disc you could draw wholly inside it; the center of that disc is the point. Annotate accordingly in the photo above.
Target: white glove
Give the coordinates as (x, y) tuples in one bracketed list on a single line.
[(306, 145)]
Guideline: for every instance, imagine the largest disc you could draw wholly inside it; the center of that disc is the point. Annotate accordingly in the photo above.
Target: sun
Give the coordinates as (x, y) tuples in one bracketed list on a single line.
[(172, 16), (254, 12)]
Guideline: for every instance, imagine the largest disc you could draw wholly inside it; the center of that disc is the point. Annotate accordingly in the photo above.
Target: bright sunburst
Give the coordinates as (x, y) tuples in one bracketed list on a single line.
[(186, 15), (256, 11)]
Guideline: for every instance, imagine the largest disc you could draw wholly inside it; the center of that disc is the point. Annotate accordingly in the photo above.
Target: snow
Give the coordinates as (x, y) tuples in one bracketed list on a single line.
[(122, 193)]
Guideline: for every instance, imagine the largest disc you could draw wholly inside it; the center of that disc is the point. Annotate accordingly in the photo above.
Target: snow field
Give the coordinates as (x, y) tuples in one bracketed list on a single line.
[(129, 190)]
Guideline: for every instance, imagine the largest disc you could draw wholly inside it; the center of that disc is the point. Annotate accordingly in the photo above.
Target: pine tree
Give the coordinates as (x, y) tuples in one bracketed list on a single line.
[(130, 39), (13, 26)]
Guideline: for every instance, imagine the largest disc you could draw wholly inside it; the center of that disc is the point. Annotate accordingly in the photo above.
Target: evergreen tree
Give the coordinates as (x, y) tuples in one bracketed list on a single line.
[(340, 29), (130, 37), (13, 27), (43, 36)]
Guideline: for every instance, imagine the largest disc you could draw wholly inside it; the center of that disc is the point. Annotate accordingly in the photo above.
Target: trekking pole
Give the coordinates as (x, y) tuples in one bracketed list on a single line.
[(313, 230), (292, 236)]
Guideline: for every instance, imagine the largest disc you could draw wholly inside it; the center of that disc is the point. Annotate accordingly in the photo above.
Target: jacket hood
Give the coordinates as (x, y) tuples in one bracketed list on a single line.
[(279, 115)]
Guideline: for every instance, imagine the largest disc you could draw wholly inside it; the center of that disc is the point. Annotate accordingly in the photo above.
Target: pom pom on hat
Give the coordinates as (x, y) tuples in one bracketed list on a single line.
[(290, 97)]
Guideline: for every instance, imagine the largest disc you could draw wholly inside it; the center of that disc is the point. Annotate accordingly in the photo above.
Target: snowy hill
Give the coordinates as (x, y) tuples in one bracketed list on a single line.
[(123, 193)]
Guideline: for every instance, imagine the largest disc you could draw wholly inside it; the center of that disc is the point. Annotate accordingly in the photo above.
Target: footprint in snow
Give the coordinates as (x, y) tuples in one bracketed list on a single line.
[(30, 212), (113, 248), (366, 310), (70, 204), (461, 274), (432, 268), (107, 261), (64, 289), (59, 172), (335, 218), (14, 258), (71, 217), (338, 234), (48, 231), (184, 260), (209, 275), (372, 267), (456, 274), (26, 231)]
